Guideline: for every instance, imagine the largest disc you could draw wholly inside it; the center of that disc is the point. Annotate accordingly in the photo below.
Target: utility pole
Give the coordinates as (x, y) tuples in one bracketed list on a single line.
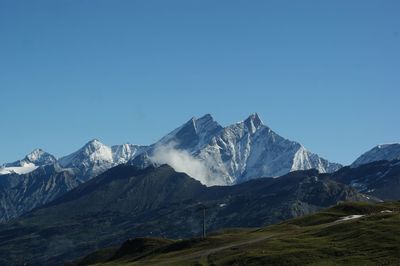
[(204, 222), (203, 207)]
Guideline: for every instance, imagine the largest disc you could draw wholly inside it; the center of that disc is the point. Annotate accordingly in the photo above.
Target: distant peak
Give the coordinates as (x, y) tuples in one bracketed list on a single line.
[(387, 152), (39, 156), (93, 146), (201, 123), (206, 117), (255, 117), (386, 145), (253, 121), (36, 152), (94, 142)]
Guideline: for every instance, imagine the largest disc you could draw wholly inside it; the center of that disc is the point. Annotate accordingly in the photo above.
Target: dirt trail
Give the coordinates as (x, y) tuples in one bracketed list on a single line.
[(207, 252)]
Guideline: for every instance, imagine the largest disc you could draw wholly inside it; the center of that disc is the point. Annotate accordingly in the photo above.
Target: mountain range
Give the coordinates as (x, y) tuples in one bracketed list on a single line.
[(244, 175), (223, 156), (201, 147)]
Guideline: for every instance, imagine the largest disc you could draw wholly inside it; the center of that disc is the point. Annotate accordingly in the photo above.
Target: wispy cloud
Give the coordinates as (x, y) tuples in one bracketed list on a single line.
[(181, 161)]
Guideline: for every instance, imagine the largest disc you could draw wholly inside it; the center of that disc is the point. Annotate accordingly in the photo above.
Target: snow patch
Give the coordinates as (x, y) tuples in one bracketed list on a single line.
[(26, 168), (351, 217)]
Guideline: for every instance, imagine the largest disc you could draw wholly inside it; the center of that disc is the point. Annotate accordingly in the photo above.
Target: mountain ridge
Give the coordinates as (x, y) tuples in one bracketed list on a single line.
[(201, 147), (382, 152), (128, 200)]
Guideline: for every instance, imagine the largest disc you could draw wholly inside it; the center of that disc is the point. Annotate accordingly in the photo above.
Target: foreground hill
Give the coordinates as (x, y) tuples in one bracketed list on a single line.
[(347, 234), (126, 201)]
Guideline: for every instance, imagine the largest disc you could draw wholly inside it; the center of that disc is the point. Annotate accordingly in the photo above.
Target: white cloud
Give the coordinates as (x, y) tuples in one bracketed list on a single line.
[(181, 161)]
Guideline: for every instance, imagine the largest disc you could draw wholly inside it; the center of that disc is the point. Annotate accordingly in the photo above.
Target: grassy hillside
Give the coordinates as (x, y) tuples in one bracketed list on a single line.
[(126, 202), (319, 239)]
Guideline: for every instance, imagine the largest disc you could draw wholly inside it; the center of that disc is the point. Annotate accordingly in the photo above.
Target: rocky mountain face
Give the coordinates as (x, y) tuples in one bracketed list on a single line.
[(22, 193), (380, 179), (126, 202), (234, 154), (386, 152)]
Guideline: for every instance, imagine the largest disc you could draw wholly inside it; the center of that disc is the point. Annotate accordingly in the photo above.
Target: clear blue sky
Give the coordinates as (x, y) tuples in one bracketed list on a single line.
[(324, 73)]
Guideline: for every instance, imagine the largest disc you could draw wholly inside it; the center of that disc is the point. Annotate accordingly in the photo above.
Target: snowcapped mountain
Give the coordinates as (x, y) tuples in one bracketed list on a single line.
[(37, 157), (201, 147), (95, 157), (193, 135), (92, 159), (234, 154), (249, 149), (39, 177), (31, 162), (387, 152)]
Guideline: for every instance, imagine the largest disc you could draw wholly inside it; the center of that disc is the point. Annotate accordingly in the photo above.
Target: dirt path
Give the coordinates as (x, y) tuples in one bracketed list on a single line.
[(205, 253)]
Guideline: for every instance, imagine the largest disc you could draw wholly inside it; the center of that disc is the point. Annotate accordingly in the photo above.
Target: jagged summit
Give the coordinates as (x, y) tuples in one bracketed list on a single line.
[(233, 154), (205, 124), (255, 119), (192, 135), (253, 123), (40, 157)]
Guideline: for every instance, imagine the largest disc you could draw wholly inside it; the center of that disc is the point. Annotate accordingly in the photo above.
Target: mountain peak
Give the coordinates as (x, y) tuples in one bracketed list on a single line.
[(36, 153), (387, 145), (93, 158), (388, 152), (253, 122), (195, 133), (32, 161), (40, 157), (94, 142), (206, 117)]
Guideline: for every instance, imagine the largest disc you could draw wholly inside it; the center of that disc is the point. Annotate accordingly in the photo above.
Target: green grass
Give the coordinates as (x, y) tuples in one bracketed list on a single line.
[(317, 239)]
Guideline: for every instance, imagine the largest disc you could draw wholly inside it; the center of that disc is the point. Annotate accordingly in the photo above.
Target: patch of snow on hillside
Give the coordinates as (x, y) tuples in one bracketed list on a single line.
[(351, 217)]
